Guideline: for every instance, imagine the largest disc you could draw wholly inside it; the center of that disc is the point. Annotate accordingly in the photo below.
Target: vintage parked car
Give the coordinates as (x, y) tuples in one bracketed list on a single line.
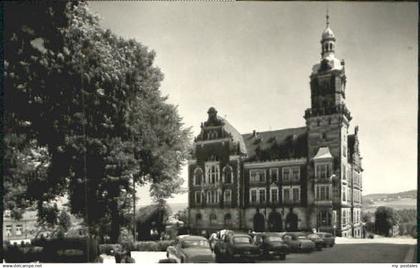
[(319, 242), (237, 246), (271, 245), (329, 239), (298, 242), (190, 249)]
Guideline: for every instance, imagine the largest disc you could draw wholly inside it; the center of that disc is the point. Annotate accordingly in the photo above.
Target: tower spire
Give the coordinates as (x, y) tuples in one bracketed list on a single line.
[(327, 17)]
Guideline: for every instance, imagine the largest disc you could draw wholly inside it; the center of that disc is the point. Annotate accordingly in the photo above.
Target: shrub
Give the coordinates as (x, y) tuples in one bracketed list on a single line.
[(152, 245), (106, 248), (27, 253), (164, 244), (145, 246)]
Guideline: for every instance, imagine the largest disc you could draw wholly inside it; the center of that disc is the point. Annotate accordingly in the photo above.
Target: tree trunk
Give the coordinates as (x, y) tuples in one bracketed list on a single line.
[(115, 222)]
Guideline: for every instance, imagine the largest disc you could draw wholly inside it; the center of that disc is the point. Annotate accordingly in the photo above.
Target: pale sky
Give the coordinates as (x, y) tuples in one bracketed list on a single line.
[(252, 62)]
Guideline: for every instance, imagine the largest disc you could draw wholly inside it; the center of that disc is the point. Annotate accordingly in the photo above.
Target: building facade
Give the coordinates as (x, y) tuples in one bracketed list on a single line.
[(18, 230), (283, 180)]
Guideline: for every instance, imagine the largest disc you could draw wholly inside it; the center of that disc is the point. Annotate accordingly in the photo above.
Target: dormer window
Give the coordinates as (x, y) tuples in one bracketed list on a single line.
[(257, 175), (274, 175)]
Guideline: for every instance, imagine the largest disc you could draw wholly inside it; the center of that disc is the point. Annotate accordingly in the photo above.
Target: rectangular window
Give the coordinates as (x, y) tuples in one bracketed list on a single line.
[(228, 196), (344, 171), (262, 195), (343, 216), (322, 171), (7, 213), (257, 175), (286, 195), (8, 230), (323, 192), (198, 197), (344, 194), (296, 174), (253, 196), (274, 195), (296, 195), (262, 175), (274, 174), (286, 174), (19, 229)]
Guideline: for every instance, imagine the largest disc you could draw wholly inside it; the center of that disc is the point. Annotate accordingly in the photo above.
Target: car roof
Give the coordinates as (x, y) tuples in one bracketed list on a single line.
[(239, 235), (324, 233), (191, 237)]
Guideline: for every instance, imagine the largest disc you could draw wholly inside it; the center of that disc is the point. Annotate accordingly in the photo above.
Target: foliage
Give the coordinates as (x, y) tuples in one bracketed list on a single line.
[(407, 215), (106, 248), (152, 245), (48, 215), (385, 219), (64, 220), (182, 215), (90, 101), (367, 216)]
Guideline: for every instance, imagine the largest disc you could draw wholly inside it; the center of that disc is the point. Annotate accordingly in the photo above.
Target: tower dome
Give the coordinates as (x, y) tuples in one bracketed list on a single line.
[(327, 34)]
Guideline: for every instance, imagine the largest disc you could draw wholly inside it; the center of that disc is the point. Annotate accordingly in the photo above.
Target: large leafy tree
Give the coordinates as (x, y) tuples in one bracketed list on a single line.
[(385, 219), (92, 100)]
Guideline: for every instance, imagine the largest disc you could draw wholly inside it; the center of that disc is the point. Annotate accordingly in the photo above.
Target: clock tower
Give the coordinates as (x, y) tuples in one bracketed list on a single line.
[(327, 122)]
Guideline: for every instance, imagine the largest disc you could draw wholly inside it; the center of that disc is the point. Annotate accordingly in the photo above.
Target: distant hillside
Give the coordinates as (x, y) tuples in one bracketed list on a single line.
[(391, 196), (401, 200)]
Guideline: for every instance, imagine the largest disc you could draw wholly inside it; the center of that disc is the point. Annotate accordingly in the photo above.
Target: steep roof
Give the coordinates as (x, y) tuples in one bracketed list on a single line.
[(277, 144), (323, 153), (236, 136)]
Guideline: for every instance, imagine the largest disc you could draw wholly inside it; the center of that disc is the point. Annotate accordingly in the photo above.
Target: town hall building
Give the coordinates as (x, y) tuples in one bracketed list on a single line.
[(302, 178)]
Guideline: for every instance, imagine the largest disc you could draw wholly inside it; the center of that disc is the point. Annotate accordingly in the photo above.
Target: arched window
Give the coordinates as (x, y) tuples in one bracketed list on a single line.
[(228, 220), (212, 172), (213, 219), (227, 174), (212, 134), (198, 176), (331, 46), (198, 218)]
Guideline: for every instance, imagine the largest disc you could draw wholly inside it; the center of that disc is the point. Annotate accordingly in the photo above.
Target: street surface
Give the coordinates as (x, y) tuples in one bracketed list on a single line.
[(346, 250), (380, 250)]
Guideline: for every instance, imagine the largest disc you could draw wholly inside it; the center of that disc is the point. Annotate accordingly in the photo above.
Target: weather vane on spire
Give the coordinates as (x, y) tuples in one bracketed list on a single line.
[(327, 17)]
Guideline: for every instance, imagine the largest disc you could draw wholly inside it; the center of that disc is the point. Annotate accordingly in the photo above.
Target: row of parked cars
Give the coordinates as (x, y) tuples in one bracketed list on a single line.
[(227, 245)]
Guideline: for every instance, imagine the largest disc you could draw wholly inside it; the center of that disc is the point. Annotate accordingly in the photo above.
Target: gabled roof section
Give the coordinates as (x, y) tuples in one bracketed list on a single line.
[(236, 136), (323, 153), (277, 144)]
